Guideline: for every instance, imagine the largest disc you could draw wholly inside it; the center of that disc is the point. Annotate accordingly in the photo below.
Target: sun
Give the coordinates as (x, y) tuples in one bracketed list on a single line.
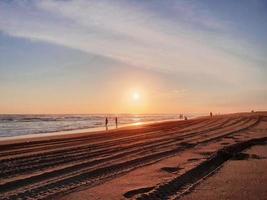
[(135, 101), (136, 96)]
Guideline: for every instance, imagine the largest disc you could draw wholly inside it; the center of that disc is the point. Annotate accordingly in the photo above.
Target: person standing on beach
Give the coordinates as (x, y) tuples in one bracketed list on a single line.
[(210, 114), (106, 123), (116, 122)]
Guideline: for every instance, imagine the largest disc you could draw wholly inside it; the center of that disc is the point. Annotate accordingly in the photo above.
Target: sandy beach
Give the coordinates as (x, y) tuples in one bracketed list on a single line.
[(242, 177), (151, 161)]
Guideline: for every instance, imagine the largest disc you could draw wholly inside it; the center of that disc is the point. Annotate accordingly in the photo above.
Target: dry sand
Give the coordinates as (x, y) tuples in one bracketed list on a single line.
[(153, 161), (243, 178)]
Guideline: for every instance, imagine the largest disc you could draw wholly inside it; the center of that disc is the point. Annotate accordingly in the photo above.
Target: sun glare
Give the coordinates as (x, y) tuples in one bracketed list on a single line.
[(135, 101), (136, 96)]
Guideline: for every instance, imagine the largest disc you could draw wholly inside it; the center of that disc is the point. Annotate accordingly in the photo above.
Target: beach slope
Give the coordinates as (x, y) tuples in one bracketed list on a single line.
[(153, 161)]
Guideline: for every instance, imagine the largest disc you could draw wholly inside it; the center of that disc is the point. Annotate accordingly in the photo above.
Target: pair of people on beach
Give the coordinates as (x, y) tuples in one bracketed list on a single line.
[(116, 122)]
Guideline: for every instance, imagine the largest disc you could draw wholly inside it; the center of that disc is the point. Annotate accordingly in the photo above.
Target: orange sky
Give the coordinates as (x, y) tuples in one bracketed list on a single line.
[(91, 56)]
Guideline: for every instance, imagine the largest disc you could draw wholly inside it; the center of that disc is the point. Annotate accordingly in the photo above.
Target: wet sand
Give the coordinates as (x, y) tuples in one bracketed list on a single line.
[(141, 162)]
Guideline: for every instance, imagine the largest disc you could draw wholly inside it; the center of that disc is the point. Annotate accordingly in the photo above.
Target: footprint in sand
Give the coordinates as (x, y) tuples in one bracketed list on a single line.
[(245, 156), (134, 192), (193, 159), (171, 169), (205, 153)]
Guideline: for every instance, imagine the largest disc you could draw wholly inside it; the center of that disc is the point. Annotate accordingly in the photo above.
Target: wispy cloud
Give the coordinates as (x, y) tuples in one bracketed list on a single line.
[(129, 33)]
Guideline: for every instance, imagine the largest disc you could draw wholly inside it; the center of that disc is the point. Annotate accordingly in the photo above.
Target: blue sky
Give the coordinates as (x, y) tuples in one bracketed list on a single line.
[(87, 56)]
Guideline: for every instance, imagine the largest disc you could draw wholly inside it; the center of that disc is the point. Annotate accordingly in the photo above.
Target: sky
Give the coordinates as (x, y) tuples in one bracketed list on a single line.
[(179, 56)]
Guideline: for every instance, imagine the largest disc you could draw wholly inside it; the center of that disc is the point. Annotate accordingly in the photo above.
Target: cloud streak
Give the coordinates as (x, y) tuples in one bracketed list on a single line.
[(132, 34)]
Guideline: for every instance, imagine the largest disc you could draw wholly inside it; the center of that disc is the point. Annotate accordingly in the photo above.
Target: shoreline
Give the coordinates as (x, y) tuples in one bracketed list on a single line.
[(20, 126), (78, 132)]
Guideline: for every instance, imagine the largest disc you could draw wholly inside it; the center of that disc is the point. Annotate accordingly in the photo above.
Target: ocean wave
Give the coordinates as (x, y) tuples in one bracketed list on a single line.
[(14, 125)]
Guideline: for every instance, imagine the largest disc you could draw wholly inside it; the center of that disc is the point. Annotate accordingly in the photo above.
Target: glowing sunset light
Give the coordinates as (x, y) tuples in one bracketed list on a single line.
[(132, 56), (136, 96)]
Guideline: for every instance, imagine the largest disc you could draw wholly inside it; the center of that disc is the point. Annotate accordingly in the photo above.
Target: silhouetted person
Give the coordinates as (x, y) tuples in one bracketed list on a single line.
[(185, 117), (116, 122), (210, 114), (181, 116), (106, 123)]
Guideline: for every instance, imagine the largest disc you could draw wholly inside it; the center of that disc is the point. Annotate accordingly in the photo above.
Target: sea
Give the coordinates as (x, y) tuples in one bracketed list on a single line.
[(19, 125)]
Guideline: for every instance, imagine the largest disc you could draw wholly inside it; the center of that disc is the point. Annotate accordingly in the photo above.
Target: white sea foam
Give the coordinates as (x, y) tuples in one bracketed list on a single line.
[(17, 125)]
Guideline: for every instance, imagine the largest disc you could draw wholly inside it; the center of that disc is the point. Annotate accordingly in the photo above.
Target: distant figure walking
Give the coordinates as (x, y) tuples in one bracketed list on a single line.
[(210, 114), (116, 122), (106, 123), (181, 116), (185, 117)]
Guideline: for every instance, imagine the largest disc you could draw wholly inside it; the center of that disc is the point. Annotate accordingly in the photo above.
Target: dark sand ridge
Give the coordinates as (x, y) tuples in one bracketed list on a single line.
[(50, 167), (243, 177)]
